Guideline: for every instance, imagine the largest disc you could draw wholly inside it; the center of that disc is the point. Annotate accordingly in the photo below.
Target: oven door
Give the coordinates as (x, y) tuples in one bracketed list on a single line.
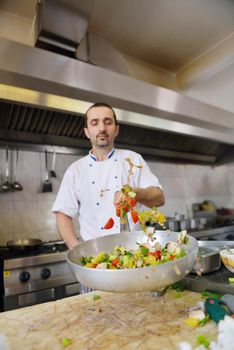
[(12, 302)]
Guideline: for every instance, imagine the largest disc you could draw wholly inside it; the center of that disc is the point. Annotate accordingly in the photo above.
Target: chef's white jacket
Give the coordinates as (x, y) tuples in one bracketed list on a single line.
[(88, 188)]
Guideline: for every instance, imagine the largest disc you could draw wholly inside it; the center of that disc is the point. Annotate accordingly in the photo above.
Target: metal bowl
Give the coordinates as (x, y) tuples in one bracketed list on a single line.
[(155, 278), (228, 259)]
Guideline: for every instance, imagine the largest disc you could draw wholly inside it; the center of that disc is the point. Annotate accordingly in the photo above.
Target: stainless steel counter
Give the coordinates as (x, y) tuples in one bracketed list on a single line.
[(217, 233), (215, 282)]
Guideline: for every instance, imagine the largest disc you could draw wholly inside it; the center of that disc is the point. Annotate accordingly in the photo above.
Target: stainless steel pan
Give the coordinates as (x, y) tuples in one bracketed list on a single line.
[(208, 260), (24, 244), (155, 278)]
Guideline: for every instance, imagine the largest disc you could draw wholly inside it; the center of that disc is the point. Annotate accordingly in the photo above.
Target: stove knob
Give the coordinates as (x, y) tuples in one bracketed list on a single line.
[(45, 273), (24, 276)]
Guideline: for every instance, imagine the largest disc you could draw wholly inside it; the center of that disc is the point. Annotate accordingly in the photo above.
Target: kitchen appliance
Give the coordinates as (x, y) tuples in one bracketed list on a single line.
[(154, 278), (176, 130), (35, 276)]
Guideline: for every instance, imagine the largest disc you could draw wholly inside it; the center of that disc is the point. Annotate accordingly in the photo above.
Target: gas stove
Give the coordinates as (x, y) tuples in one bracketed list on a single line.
[(36, 275), (44, 248)]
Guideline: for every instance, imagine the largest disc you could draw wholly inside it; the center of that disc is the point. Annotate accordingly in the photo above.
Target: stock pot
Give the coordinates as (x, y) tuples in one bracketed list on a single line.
[(208, 260)]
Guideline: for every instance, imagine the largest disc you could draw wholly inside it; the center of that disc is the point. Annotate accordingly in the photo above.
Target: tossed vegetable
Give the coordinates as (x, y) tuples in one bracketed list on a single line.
[(121, 258)]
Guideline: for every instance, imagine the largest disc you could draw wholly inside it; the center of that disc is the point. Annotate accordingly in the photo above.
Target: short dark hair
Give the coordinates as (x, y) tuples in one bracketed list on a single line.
[(101, 104)]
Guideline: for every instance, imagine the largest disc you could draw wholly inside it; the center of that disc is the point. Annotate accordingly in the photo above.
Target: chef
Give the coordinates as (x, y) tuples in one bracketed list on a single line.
[(91, 185)]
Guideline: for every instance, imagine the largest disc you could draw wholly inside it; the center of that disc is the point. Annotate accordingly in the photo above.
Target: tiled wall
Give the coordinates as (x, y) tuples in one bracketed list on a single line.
[(28, 213)]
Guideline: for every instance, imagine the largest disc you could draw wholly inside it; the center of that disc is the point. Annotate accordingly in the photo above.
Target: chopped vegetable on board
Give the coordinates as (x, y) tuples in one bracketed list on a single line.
[(203, 340), (66, 342)]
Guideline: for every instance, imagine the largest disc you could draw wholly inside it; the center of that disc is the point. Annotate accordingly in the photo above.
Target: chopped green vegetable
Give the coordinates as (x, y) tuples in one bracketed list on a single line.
[(132, 194), (206, 294), (204, 320), (101, 257), (231, 279), (96, 297), (177, 286), (86, 259), (144, 250), (66, 342), (178, 295), (93, 297), (203, 340)]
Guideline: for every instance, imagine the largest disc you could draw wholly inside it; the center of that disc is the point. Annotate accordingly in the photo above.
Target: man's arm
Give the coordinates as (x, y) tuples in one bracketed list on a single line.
[(66, 229), (150, 196)]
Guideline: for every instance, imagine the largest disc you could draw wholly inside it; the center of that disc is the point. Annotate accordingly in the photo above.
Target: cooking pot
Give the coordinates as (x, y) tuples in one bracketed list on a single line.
[(155, 278), (24, 244), (208, 260)]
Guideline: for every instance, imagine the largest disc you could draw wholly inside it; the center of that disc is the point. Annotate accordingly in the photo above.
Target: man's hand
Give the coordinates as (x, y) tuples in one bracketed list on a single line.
[(119, 198), (150, 196)]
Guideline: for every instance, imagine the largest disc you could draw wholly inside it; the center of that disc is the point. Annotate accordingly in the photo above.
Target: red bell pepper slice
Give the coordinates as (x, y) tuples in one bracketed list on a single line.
[(115, 262), (109, 224), (157, 254), (134, 215)]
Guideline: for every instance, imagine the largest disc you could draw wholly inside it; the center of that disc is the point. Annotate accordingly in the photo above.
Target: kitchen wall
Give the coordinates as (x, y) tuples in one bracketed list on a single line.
[(28, 213)]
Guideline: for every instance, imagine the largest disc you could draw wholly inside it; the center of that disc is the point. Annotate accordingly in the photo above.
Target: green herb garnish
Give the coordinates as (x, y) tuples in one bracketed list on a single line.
[(203, 340)]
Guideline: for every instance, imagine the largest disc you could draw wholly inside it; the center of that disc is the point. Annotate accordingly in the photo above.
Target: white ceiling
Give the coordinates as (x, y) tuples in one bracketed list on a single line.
[(169, 34)]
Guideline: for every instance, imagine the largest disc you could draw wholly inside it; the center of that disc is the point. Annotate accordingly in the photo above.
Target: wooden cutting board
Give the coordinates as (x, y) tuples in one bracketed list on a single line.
[(134, 321)]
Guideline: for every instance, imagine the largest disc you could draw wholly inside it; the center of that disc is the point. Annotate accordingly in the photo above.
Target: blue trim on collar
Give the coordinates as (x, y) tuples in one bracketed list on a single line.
[(111, 153), (108, 156)]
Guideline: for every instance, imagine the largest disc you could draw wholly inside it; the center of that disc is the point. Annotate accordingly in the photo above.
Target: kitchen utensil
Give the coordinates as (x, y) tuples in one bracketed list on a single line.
[(194, 223), (47, 184), (228, 259), (16, 185), (155, 278), (184, 224), (124, 224), (208, 260), (174, 225), (24, 244), (215, 309), (7, 186), (52, 171)]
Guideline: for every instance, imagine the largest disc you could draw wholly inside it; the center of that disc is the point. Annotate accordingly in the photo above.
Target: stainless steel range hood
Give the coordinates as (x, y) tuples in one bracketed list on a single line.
[(44, 96)]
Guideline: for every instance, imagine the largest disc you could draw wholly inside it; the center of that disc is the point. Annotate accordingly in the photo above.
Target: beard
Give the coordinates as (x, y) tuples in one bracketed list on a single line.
[(102, 140)]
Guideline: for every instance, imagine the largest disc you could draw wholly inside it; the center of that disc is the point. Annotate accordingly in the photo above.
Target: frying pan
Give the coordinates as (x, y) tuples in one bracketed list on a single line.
[(155, 278), (24, 244)]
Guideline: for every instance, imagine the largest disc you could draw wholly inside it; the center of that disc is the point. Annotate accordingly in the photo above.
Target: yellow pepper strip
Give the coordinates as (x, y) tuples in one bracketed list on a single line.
[(192, 322)]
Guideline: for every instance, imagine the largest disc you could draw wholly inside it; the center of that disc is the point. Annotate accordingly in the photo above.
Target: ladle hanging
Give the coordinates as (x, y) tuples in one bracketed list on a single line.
[(7, 186), (16, 185)]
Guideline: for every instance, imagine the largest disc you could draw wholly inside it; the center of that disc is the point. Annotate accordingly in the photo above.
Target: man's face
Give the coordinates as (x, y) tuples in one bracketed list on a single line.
[(101, 128)]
